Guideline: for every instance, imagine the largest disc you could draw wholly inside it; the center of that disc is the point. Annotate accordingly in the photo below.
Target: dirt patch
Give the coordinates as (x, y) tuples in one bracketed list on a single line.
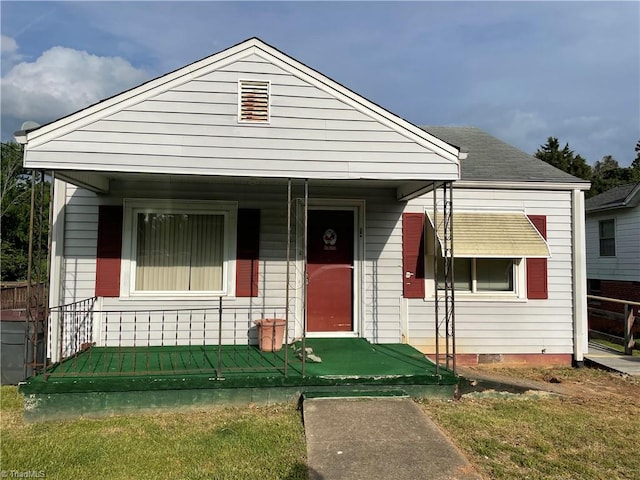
[(578, 383)]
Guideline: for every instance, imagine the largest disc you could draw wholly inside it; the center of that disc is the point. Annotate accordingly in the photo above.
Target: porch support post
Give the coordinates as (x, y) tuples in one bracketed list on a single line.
[(305, 276), (286, 287), (446, 289), (47, 291), (449, 276), (436, 305), (55, 277), (29, 317)]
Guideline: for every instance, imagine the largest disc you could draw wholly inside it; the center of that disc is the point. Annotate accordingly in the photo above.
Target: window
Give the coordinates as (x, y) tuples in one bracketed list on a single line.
[(481, 275), (607, 233), (178, 247)]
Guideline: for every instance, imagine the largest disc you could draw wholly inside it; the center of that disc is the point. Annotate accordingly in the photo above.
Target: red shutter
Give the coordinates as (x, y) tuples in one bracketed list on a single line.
[(537, 287), (247, 253), (108, 251), (413, 255)]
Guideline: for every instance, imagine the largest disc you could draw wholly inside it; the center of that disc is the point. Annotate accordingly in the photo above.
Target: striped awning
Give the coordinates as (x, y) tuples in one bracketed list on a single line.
[(493, 235)]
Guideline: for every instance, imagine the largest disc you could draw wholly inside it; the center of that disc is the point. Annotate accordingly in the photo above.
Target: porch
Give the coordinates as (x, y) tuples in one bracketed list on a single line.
[(101, 381)]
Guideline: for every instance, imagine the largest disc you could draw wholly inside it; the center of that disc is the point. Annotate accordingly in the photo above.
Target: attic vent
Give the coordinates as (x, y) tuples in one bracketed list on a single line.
[(253, 98)]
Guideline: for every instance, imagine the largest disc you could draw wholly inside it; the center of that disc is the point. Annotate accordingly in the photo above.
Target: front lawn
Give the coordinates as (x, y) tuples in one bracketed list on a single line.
[(221, 443), (590, 433)]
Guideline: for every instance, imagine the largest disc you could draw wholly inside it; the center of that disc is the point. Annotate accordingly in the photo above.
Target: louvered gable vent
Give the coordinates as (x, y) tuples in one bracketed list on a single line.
[(253, 100)]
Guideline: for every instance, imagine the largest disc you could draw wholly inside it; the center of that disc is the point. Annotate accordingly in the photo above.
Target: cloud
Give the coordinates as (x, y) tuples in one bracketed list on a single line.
[(8, 45), (9, 52), (62, 81)]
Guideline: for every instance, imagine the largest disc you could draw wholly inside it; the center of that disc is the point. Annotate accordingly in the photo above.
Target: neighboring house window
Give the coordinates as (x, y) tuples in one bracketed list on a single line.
[(253, 101), (482, 275), (607, 231), (182, 247), (593, 287)]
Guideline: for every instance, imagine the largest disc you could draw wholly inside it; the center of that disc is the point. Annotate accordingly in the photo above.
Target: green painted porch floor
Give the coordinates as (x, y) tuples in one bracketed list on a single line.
[(345, 362)]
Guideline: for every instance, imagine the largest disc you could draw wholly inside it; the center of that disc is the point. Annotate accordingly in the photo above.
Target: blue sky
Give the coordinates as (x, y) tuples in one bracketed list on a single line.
[(522, 71)]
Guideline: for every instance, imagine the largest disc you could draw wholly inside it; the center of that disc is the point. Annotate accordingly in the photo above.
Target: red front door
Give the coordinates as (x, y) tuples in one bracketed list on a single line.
[(330, 271)]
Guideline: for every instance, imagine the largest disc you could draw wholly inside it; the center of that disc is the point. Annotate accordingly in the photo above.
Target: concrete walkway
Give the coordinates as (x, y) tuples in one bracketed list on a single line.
[(611, 360), (378, 438)]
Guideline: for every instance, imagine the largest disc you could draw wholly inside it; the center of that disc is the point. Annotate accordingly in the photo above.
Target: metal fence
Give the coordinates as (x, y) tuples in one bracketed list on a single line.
[(218, 339)]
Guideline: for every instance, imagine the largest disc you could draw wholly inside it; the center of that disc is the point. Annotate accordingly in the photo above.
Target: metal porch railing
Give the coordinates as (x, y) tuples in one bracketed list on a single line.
[(218, 340)]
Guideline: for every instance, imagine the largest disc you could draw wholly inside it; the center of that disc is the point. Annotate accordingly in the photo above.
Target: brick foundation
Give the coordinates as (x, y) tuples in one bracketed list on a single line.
[(513, 359)]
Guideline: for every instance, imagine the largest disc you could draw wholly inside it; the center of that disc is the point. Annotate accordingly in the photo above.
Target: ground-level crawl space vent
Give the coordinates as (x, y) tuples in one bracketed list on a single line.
[(253, 99)]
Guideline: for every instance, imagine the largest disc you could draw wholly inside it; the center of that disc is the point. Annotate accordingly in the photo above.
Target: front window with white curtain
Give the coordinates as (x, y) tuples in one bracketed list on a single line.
[(179, 247)]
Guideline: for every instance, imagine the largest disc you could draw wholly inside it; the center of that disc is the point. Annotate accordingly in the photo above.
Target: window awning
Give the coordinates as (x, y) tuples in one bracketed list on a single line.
[(493, 235)]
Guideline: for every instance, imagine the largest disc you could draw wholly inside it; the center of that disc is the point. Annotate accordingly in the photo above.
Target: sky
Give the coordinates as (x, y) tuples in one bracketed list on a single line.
[(522, 71)]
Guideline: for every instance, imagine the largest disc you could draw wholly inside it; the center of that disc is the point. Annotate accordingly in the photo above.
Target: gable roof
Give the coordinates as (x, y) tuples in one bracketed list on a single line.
[(492, 160), (216, 61), (622, 196)]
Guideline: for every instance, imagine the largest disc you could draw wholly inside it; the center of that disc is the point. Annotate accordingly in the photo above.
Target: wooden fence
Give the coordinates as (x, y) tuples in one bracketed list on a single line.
[(14, 295), (621, 327)]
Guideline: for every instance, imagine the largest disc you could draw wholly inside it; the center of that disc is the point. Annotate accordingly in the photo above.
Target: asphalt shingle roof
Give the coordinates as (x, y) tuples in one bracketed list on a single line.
[(491, 159), (611, 198)]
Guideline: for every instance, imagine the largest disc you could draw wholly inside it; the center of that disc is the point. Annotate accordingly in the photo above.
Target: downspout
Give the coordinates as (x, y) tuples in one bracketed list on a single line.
[(580, 329)]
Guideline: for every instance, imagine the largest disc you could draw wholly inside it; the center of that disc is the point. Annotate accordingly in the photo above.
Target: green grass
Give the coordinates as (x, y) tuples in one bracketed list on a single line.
[(588, 435), (614, 346), (223, 443)]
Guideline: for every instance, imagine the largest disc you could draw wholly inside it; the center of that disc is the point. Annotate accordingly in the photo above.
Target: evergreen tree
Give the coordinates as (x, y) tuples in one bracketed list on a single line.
[(635, 165), (564, 159)]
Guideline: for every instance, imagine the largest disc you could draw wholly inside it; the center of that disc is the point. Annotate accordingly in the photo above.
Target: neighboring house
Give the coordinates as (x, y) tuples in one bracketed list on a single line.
[(177, 193), (613, 244)]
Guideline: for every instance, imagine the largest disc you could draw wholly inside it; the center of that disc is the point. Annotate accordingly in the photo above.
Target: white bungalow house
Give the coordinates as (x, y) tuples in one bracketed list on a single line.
[(249, 181)]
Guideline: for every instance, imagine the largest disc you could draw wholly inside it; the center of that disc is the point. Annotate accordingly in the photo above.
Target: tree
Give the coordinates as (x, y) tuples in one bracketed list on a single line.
[(15, 208), (607, 173), (564, 159), (636, 163), (606, 164)]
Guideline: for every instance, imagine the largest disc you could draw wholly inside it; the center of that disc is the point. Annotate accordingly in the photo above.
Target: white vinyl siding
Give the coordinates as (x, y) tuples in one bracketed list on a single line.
[(482, 326), (382, 288), (193, 129), (492, 325), (625, 265)]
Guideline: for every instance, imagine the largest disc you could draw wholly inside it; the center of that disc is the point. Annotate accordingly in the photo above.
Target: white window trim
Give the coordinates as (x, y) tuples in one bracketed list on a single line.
[(133, 206)]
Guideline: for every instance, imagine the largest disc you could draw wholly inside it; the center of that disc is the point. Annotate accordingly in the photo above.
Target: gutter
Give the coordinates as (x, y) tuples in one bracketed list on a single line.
[(515, 185)]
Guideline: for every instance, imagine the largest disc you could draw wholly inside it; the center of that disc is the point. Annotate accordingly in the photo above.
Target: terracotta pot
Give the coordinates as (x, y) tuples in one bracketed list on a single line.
[(270, 333)]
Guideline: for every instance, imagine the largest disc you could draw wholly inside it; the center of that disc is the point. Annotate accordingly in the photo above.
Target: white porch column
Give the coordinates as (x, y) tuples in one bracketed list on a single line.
[(580, 324), (57, 266)]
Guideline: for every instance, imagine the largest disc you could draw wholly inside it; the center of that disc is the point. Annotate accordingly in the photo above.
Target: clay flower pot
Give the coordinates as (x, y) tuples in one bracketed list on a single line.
[(270, 334)]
